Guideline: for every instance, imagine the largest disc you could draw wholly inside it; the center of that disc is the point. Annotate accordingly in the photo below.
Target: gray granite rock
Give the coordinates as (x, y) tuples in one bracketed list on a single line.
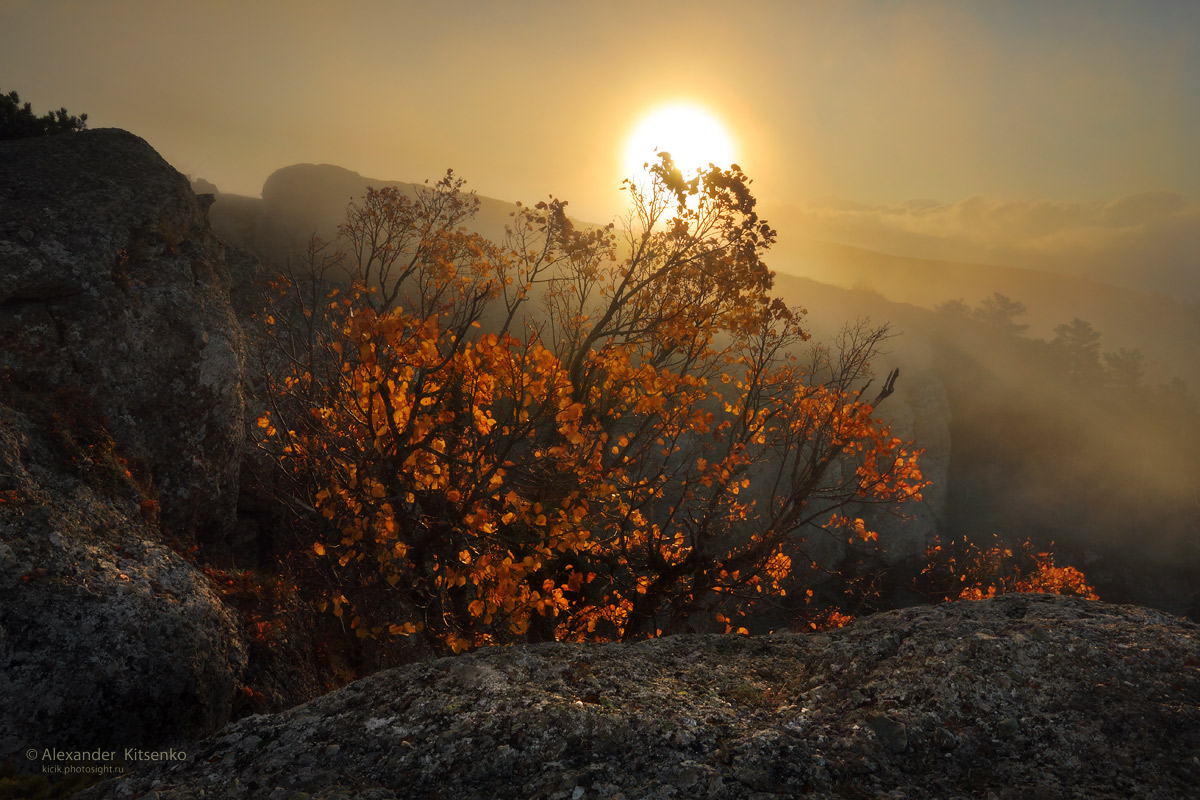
[(108, 638), (121, 431), (1020, 696), (115, 293)]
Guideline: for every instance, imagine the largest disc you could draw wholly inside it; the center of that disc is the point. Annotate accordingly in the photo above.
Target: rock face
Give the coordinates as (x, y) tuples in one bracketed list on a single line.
[(115, 294), (1022, 696), (107, 637), (121, 420)]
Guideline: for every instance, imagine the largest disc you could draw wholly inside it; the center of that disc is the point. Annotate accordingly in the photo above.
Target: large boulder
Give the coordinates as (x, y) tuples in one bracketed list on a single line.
[(107, 637), (121, 431), (114, 294), (1023, 696)]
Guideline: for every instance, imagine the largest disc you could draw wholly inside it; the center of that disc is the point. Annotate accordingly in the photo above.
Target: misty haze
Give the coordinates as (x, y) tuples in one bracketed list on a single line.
[(338, 341)]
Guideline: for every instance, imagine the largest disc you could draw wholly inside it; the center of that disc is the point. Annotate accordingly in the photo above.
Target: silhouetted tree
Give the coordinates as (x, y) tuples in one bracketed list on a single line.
[(1126, 368), (955, 310), (17, 120), (201, 186), (1076, 349), (1001, 312), (1175, 401)]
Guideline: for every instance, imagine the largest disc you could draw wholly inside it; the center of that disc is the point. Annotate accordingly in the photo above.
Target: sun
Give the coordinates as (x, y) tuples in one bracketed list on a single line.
[(692, 135)]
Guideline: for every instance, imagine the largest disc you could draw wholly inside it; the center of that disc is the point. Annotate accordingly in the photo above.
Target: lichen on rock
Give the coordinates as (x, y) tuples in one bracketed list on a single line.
[(1019, 696)]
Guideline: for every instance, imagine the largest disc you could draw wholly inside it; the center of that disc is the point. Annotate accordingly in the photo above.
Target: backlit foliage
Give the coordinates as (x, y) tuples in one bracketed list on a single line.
[(572, 434), (966, 571)]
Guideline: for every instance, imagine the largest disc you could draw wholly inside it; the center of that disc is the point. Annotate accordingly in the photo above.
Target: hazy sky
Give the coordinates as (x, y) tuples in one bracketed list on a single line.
[(1063, 101)]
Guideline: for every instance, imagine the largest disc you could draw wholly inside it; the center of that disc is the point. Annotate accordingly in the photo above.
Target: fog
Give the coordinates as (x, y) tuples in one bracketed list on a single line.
[(1146, 241), (1049, 439), (1071, 102)]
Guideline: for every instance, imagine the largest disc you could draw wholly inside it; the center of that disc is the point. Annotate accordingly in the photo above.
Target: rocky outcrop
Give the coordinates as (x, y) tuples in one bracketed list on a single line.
[(107, 637), (121, 430), (310, 199), (1024, 696), (115, 294)]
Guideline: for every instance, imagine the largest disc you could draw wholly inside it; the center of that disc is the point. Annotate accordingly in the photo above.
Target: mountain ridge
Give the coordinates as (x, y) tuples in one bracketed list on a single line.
[(314, 196)]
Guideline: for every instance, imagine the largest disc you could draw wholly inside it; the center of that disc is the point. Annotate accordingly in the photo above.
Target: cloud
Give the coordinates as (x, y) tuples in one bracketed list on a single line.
[(1148, 240)]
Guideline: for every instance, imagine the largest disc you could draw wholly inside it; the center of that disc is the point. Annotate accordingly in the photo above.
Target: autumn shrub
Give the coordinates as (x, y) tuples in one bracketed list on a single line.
[(572, 433), (964, 570)]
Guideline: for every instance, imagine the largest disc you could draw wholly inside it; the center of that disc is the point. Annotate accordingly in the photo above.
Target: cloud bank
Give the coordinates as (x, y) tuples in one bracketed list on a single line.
[(1149, 241)]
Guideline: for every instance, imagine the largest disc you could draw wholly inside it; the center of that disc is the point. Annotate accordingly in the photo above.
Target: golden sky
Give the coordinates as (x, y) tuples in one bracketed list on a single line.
[(1071, 101)]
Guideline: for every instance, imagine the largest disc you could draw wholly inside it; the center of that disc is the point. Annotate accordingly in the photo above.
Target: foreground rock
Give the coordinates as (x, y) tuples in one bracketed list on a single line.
[(107, 637), (121, 429), (1021, 696)]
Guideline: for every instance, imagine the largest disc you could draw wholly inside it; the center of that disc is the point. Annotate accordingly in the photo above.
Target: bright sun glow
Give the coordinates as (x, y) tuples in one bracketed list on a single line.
[(694, 138)]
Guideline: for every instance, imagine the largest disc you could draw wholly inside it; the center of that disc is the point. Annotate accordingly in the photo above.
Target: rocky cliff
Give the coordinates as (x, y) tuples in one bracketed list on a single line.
[(121, 431), (114, 294), (108, 637), (1030, 696)]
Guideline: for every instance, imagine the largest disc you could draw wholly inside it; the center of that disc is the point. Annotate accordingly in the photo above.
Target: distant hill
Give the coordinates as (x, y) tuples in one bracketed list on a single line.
[(306, 199), (303, 199), (1165, 329)]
